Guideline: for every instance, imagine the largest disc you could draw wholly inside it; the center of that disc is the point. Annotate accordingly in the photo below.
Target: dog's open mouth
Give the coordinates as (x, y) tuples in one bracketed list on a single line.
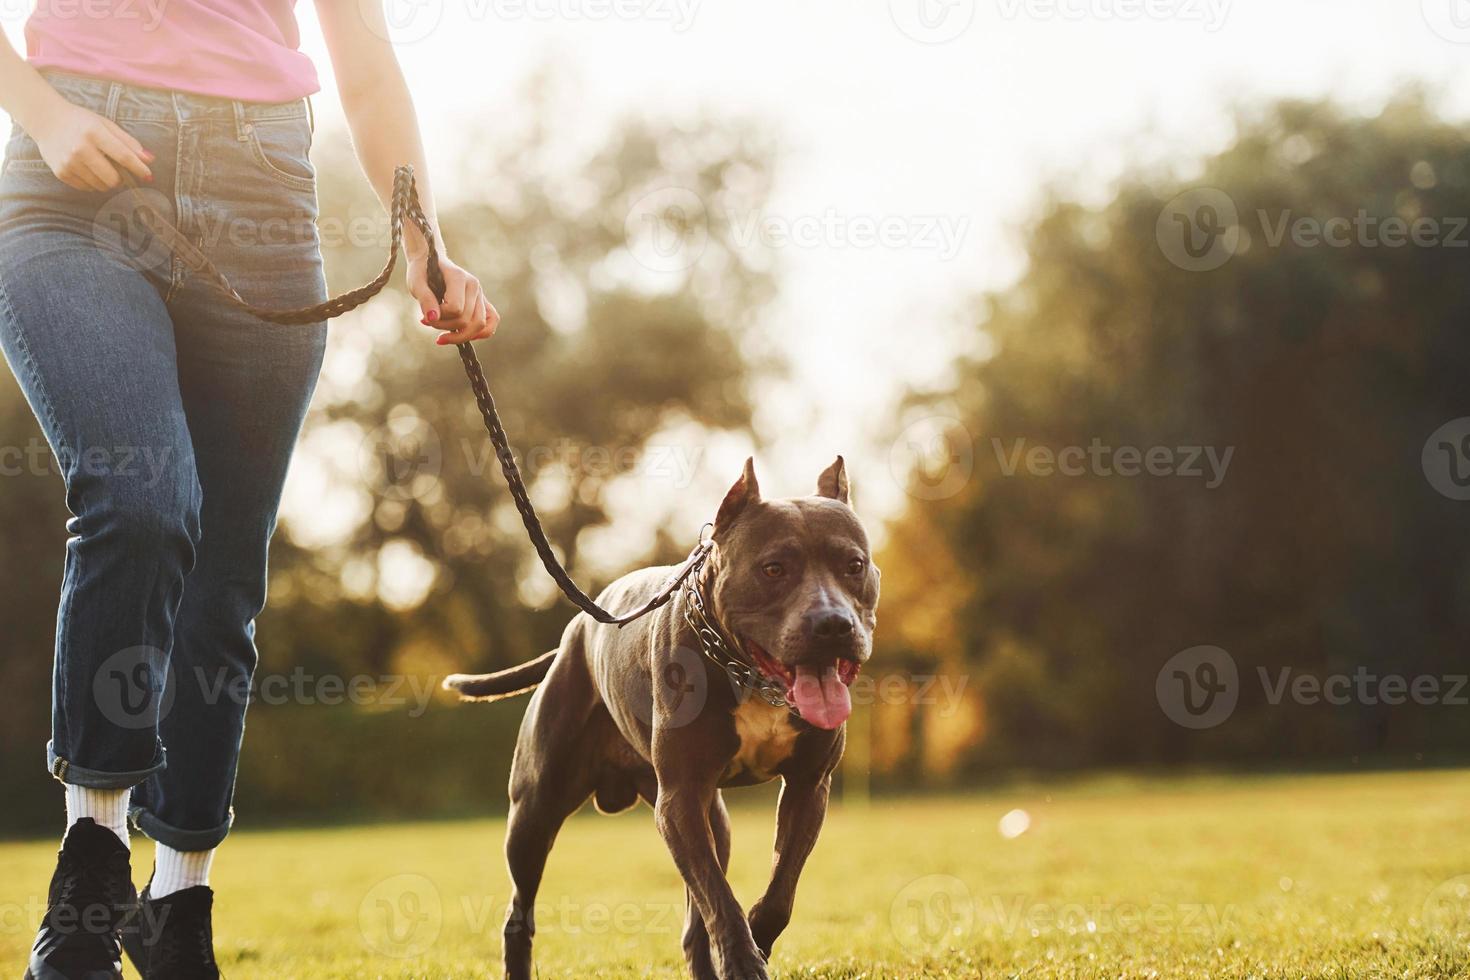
[(818, 691)]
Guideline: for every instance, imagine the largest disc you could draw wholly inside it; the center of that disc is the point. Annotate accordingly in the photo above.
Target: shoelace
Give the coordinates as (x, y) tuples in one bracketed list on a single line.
[(86, 883)]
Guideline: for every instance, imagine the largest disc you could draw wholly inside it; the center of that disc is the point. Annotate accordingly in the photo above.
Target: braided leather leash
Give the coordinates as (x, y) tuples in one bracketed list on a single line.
[(406, 207)]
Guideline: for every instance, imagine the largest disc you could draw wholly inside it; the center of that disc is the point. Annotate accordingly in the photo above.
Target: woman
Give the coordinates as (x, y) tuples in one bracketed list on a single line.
[(125, 356)]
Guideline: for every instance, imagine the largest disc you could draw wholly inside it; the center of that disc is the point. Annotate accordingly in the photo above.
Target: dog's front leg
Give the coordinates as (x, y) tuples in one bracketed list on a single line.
[(683, 817), (696, 936), (799, 818)]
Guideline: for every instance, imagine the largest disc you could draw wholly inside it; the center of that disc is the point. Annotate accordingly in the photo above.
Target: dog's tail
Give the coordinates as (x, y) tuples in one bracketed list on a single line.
[(503, 683)]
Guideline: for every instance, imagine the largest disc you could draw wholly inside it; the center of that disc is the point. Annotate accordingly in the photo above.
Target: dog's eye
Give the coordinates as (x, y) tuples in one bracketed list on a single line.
[(773, 569), (857, 566)]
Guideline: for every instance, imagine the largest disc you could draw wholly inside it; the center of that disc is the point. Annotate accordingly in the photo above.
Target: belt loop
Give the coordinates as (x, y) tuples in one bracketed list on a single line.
[(311, 115), (242, 126), (114, 96)]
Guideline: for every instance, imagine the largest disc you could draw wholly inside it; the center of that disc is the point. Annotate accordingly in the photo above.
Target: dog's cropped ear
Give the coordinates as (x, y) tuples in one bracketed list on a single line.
[(745, 492), (833, 481)]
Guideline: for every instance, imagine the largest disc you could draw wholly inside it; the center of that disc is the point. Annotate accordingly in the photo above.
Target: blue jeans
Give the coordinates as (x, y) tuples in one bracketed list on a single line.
[(173, 418)]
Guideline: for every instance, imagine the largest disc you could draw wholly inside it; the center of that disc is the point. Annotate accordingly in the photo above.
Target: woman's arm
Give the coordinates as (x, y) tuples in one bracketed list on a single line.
[(385, 131), (82, 148)]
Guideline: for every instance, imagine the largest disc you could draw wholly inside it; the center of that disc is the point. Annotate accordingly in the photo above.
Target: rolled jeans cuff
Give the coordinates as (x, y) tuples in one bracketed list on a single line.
[(176, 837), (67, 772)]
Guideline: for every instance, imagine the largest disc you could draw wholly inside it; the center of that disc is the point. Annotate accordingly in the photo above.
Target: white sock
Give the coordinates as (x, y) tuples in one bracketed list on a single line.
[(173, 871), (108, 807)]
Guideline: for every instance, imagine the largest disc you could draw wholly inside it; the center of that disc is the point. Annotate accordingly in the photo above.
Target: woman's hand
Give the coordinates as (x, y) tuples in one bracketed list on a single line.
[(84, 150), (465, 314)]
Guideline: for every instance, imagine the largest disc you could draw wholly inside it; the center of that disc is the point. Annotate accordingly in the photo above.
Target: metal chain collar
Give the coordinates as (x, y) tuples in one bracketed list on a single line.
[(745, 677)]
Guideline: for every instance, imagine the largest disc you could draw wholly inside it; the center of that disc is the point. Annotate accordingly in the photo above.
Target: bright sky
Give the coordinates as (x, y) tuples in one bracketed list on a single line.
[(938, 120)]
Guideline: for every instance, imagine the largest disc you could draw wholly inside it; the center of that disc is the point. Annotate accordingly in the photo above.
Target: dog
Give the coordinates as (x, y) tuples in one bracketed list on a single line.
[(641, 712)]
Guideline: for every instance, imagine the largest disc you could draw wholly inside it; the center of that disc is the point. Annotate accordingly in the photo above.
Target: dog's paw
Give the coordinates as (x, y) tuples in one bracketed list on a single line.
[(766, 923), (746, 963)]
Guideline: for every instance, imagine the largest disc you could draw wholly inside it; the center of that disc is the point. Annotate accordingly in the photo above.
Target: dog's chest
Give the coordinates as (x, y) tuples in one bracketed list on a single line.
[(767, 739)]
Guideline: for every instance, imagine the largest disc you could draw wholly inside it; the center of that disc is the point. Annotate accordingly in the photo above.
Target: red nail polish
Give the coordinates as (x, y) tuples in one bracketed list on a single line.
[(433, 316)]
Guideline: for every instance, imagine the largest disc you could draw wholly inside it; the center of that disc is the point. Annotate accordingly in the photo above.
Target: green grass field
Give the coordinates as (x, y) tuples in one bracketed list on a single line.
[(1319, 876)]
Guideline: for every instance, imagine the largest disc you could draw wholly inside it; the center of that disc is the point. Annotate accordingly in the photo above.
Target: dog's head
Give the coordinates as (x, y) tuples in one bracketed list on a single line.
[(794, 584)]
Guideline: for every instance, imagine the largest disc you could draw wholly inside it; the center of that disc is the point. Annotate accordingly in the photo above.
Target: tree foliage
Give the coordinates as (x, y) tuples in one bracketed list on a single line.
[(1324, 367)]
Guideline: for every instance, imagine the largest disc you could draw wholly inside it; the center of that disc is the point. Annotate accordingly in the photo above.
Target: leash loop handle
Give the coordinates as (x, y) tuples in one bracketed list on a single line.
[(407, 207)]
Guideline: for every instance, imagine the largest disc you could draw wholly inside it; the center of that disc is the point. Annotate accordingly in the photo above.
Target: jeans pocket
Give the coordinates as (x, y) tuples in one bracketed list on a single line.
[(23, 156), (281, 148), (18, 166)]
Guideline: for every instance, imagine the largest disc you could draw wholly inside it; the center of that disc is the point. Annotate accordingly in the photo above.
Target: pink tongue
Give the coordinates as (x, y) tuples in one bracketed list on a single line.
[(822, 699)]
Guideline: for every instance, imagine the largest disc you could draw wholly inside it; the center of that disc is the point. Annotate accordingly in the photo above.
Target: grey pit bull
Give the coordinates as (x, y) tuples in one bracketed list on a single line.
[(639, 712)]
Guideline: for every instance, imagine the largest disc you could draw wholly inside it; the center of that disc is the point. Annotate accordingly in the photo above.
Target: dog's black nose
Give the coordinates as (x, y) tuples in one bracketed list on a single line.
[(830, 625)]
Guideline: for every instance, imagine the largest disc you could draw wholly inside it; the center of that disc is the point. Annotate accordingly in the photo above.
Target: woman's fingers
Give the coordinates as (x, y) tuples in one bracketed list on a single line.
[(127, 139), (78, 181), (102, 172), (427, 301), (469, 327), (457, 298), (126, 153), (80, 173)]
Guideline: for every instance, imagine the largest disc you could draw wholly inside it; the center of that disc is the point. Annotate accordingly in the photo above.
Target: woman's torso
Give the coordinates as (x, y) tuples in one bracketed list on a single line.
[(235, 49)]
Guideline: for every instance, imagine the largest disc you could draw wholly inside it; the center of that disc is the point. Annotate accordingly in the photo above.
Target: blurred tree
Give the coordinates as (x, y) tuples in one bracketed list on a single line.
[(1325, 367)]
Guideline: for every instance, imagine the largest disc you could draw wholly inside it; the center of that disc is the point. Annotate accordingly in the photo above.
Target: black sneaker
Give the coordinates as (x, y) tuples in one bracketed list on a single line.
[(91, 894), (174, 937)]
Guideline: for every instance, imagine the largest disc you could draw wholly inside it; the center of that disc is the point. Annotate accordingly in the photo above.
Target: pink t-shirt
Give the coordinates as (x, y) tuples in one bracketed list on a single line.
[(236, 49)]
